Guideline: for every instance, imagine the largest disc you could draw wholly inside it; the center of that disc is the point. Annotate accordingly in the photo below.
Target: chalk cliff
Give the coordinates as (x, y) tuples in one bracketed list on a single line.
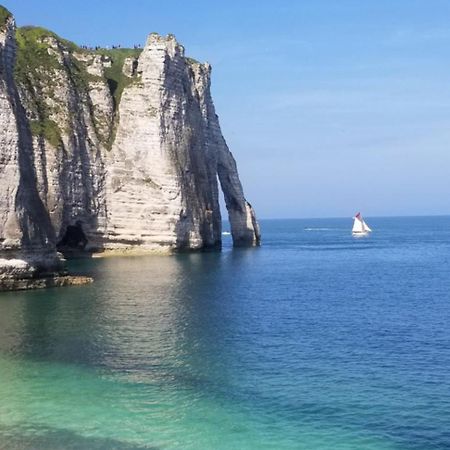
[(108, 150), (27, 238)]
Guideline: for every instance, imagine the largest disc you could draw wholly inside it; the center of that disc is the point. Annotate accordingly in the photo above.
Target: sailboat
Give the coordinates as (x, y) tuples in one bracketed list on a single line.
[(360, 228)]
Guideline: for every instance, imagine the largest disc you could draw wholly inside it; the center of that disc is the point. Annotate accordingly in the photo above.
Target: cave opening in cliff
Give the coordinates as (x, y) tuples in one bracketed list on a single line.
[(74, 238), (223, 211)]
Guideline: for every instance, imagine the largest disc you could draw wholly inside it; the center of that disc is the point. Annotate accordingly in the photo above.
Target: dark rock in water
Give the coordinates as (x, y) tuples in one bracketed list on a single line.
[(44, 282)]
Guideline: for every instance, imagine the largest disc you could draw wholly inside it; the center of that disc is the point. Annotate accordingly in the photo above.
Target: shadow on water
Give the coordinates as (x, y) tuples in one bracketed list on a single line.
[(133, 301), (53, 439)]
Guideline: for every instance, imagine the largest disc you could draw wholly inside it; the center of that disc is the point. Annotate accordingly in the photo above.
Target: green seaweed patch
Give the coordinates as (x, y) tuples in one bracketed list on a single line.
[(4, 16), (47, 129), (117, 80)]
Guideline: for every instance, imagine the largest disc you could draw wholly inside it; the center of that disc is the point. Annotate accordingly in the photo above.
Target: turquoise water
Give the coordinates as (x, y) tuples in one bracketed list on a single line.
[(316, 340)]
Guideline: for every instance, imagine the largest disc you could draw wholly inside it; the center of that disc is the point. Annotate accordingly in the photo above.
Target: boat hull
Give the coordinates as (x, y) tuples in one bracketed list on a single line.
[(360, 233)]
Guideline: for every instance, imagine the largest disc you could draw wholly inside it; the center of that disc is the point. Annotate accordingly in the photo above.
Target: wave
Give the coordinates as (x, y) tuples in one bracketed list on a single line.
[(226, 233)]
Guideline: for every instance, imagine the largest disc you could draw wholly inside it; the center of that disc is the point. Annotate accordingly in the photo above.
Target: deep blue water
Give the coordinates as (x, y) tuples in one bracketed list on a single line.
[(316, 340)]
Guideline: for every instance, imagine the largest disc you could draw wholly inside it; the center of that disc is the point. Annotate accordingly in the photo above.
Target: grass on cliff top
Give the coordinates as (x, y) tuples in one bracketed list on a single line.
[(34, 71), (35, 34), (33, 54), (33, 57), (4, 15), (116, 79)]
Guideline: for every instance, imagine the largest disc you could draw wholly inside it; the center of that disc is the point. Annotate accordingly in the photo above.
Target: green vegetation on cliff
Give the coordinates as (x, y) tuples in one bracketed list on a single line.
[(4, 15), (38, 55), (33, 57), (34, 72), (47, 129), (44, 60), (117, 80)]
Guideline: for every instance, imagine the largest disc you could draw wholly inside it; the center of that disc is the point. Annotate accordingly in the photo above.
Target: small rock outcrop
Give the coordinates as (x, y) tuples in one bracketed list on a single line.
[(108, 150)]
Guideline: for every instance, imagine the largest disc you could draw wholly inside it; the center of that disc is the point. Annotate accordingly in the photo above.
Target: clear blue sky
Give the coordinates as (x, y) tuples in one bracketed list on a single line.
[(329, 106)]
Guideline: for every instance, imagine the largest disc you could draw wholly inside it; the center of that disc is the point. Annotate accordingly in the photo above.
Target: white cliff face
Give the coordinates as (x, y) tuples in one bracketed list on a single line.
[(168, 153), (27, 244), (72, 115), (244, 226), (159, 190), (137, 171), (143, 195), (9, 143), (102, 112)]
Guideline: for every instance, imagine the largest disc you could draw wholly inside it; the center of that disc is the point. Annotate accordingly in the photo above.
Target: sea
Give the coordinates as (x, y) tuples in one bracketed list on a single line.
[(315, 340)]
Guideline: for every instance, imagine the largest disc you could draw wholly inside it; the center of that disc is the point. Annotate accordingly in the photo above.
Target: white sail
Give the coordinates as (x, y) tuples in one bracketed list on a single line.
[(365, 226), (358, 226)]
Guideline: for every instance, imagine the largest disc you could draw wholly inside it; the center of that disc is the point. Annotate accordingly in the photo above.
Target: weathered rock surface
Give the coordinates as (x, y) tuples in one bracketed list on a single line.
[(168, 153), (70, 111), (27, 238), (116, 150)]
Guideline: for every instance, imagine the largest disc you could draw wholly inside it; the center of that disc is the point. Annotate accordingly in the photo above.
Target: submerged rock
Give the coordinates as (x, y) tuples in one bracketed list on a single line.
[(123, 146), (22, 284)]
